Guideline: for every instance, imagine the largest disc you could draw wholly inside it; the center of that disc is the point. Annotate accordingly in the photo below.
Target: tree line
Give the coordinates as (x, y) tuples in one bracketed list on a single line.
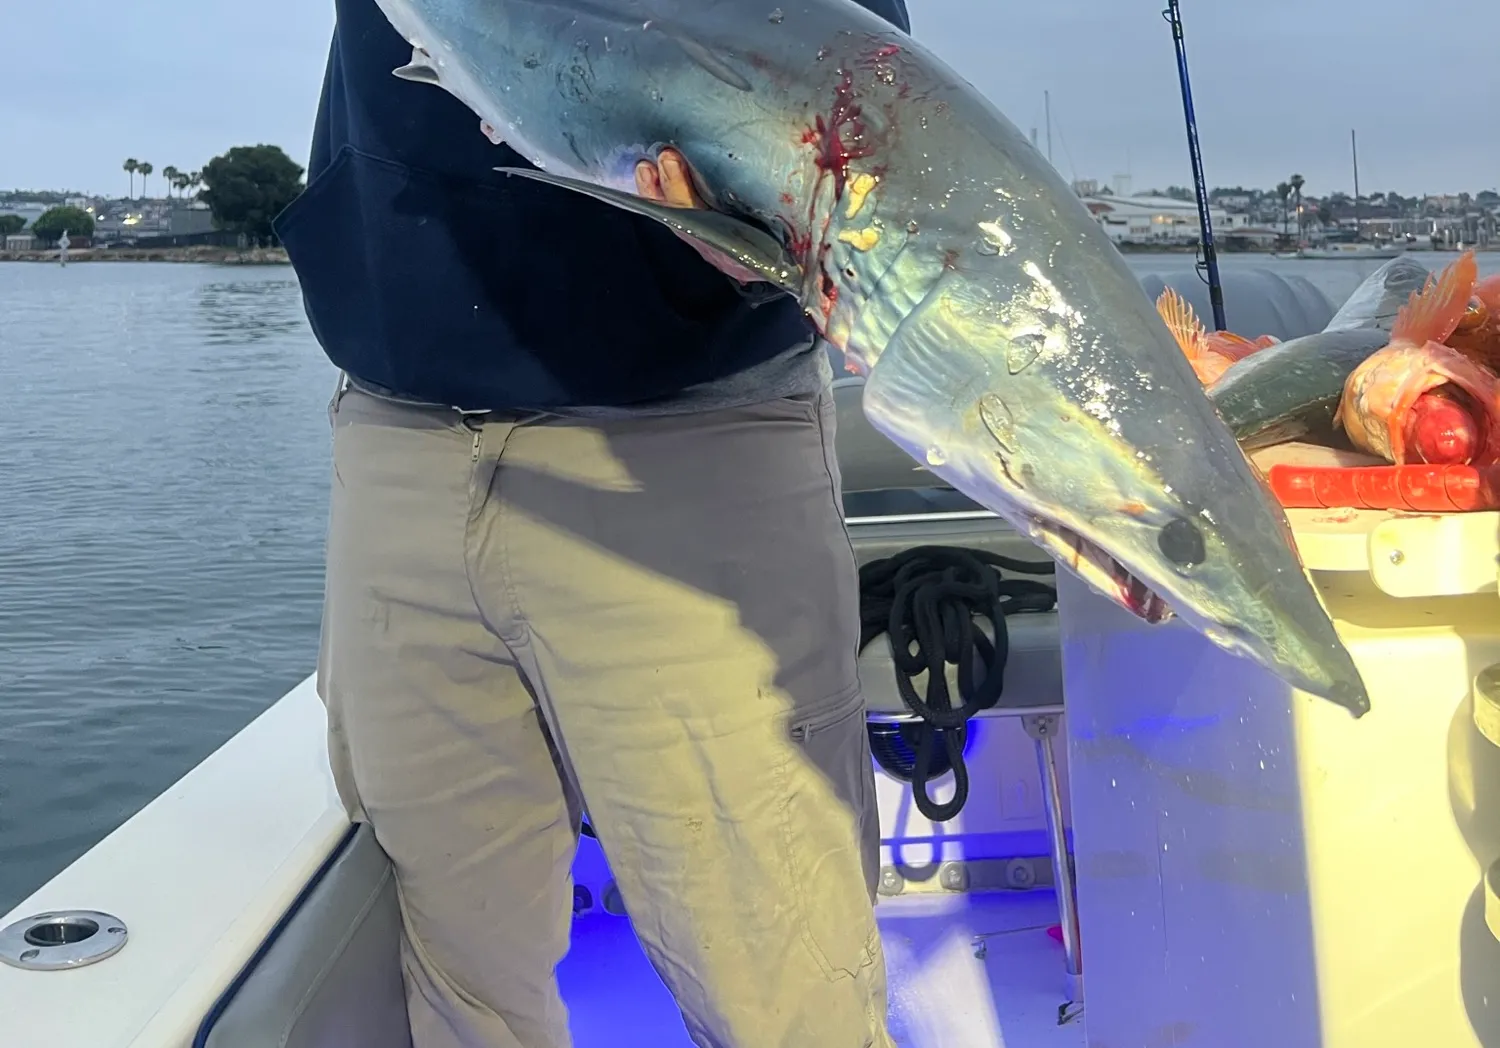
[(179, 180), (245, 189), (1334, 206)]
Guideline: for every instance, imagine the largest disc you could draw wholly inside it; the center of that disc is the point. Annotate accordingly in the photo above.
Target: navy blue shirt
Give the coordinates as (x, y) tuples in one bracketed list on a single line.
[(429, 274)]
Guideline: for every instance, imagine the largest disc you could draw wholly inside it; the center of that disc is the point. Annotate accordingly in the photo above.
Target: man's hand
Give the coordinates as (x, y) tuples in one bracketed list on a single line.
[(669, 182)]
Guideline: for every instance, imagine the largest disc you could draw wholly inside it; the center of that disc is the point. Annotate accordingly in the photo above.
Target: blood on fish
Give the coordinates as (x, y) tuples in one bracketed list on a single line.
[(799, 243), (880, 52), (839, 136), (828, 295), (1442, 430)]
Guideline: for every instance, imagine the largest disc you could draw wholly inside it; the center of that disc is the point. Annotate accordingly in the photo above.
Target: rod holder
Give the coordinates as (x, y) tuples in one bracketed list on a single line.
[(62, 939)]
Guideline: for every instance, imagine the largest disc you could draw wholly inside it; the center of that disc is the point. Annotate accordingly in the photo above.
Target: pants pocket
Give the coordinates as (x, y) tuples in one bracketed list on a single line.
[(832, 834)]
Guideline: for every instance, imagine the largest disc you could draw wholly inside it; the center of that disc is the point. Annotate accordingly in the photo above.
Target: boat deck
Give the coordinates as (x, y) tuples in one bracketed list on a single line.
[(942, 992)]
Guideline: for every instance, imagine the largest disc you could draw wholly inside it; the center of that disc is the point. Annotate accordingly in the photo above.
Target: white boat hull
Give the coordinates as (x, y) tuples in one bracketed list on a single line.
[(1353, 252)]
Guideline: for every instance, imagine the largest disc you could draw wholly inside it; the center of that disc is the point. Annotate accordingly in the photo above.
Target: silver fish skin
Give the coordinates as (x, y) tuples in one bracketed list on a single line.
[(1380, 296), (1006, 344)]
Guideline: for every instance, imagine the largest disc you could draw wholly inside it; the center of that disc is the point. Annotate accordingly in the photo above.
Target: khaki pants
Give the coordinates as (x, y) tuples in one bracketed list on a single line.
[(655, 618)]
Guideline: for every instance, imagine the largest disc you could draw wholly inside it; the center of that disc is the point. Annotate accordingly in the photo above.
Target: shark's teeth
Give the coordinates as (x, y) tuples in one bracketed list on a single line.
[(1101, 571)]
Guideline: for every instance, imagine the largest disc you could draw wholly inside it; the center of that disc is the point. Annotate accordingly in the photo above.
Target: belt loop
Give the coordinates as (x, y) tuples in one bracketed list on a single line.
[(340, 387)]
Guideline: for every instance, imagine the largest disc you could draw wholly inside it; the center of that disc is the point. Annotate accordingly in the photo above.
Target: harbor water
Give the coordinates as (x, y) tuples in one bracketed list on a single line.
[(164, 463)]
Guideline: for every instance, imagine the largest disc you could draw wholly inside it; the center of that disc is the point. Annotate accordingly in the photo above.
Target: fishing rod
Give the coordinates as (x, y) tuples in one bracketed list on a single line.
[(1210, 256)]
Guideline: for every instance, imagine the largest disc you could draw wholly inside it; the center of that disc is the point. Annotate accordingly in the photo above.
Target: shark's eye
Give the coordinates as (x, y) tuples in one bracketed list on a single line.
[(1182, 543)]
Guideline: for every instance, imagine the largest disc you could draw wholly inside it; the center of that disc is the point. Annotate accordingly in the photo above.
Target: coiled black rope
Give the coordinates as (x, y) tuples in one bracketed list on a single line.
[(928, 599)]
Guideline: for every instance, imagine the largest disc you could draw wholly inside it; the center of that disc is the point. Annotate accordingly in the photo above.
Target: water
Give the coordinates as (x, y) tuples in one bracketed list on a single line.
[(163, 498), (163, 475)]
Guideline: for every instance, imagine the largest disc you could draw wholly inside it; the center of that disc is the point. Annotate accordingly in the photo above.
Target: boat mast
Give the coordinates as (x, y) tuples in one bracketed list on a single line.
[(1047, 102), (1354, 150), (1210, 257)]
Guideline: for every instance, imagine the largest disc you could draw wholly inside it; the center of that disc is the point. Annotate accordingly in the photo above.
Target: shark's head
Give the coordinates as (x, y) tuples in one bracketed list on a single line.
[(1050, 390)]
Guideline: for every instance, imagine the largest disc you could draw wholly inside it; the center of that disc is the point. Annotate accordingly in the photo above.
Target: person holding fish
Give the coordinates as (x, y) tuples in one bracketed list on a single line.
[(586, 550), (586, 543)]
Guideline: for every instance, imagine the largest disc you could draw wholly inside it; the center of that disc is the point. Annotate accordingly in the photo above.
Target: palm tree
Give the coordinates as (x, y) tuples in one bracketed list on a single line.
[(170, 174), (145, 169), (130, 168), (1297, 182), (1284, 191), (182, 180), (195, 179)]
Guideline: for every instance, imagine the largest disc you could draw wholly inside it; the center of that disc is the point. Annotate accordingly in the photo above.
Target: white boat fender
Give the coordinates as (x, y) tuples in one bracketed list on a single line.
[(927, 600)]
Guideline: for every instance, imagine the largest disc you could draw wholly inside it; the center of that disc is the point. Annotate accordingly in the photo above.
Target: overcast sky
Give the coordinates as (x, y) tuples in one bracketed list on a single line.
[(1277, 84)]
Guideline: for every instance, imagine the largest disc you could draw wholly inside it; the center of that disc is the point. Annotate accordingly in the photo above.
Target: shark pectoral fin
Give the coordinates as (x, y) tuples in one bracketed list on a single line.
[(419, 70), (751, 247), (417, 74)]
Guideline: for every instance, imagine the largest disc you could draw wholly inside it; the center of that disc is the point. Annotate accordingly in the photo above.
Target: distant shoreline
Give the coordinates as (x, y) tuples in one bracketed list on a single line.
[(274, 256), (224, 256), (277, 256)]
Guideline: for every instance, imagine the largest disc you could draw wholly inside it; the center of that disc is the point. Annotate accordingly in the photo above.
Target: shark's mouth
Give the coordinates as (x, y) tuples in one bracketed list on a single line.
[(1103, 572)]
